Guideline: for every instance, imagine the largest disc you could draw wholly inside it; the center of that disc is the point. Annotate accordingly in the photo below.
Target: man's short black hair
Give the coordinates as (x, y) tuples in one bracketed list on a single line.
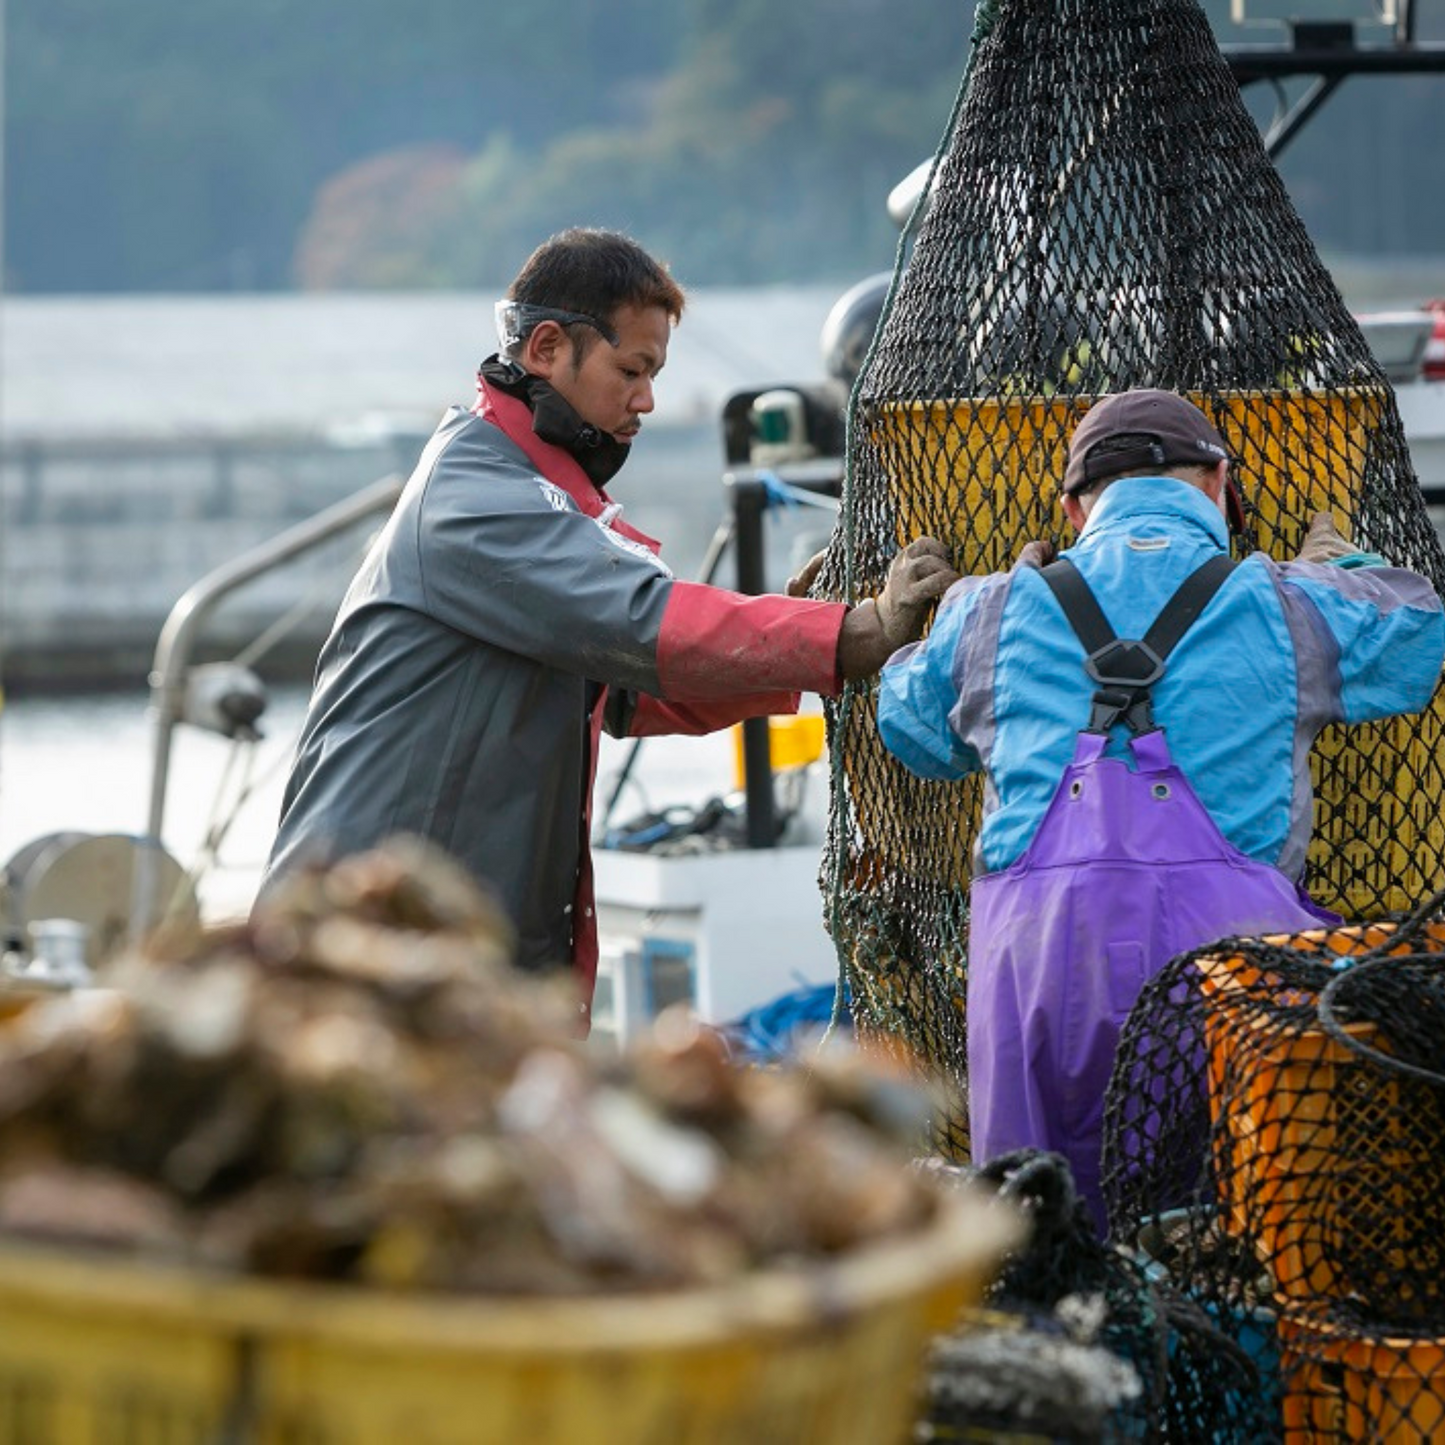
[(594, 272)]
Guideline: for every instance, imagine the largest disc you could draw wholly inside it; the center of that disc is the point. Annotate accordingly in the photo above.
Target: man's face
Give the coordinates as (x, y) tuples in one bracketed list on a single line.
[(612, 388)]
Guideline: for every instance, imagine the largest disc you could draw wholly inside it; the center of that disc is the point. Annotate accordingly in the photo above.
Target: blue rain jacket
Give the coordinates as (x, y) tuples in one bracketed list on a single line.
[(1283, 650)]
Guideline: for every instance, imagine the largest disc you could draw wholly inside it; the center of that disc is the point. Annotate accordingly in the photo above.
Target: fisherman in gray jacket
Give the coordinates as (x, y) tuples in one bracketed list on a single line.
[(506, 614)]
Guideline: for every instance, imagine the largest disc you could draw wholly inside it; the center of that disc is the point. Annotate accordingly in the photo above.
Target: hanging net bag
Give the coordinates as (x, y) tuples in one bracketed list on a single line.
[(1101, 215)]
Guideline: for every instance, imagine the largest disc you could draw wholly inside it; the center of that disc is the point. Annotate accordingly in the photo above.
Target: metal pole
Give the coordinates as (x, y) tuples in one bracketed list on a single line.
[(1288, 125), (749, 499)]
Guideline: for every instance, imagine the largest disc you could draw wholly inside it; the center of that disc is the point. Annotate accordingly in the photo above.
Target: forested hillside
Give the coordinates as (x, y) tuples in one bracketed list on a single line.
[(179, 145)]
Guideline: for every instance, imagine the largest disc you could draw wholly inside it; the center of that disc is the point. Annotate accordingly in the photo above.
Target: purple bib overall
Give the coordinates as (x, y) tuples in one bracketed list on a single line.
[(1126, 870)]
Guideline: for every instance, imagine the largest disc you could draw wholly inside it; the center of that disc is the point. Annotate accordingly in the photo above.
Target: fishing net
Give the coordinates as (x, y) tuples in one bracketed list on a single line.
[(1083, 1340), (1275, 1148), (1101, 215)]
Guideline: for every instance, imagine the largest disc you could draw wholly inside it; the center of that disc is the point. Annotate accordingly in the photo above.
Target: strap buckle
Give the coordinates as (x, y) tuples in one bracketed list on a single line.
[(1125, 671), (1122, 663), (1116, 705)]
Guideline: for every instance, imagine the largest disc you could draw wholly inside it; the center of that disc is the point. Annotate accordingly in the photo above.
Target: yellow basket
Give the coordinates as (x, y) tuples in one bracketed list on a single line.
[(16, 996), (1327, 1222), (94, 1350), (992, 468), (983, 475)]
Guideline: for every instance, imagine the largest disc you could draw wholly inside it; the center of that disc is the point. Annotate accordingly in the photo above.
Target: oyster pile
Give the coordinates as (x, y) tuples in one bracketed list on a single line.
[(357, 1084)]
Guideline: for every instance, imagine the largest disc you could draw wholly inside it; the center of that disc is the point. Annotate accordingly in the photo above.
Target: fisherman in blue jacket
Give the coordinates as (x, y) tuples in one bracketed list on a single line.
[(1143, 796)]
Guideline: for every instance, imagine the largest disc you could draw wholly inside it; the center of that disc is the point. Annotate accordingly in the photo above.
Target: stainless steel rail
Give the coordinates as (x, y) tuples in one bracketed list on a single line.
[(177, 639)]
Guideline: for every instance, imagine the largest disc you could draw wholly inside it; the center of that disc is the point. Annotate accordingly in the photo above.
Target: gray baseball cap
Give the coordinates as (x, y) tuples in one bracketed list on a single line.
[(1132, 429), (1169, 431)]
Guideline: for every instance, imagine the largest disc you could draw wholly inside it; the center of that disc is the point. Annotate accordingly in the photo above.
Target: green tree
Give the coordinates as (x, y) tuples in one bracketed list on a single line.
[(744, 169), (161, 145), (179, 144)]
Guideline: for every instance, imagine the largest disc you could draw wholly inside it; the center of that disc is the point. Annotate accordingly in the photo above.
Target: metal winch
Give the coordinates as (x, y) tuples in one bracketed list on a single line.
[(68, 900)]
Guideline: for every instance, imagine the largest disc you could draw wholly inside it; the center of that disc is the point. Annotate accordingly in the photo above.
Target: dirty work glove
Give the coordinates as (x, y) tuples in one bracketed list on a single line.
[(1323, 542), (798, 586), (1038, 553), (874, 630)]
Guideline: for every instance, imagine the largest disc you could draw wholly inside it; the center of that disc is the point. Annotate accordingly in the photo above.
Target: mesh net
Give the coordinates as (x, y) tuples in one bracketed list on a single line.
[(1102, 215), (1087, 1340), (1273, 1148)]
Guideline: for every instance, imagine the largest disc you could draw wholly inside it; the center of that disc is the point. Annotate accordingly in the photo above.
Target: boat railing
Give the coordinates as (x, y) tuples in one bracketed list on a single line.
[(171, 669)]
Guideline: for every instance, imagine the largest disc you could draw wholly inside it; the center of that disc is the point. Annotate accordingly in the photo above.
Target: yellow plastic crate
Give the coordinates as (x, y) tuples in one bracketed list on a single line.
[(1330, 1165), (94, 1350)]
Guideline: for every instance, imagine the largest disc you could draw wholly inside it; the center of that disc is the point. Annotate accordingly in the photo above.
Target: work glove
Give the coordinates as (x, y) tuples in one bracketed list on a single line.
[(1323, 542), (1038, 553), (798, 586), (874, 630)]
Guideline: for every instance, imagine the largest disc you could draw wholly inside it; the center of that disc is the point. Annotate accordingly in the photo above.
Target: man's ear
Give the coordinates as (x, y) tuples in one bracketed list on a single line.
[(546, 347), (1074, 511), (1214, 481)]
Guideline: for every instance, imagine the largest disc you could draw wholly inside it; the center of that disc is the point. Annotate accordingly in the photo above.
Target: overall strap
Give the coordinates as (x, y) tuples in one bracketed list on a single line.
[(1124, 670)]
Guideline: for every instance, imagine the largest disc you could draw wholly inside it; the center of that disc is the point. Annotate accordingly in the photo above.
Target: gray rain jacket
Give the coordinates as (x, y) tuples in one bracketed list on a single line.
[(499, 618)]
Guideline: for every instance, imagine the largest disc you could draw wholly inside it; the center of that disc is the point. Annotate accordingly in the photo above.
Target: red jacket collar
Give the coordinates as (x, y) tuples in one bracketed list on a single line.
[(513, 417)]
